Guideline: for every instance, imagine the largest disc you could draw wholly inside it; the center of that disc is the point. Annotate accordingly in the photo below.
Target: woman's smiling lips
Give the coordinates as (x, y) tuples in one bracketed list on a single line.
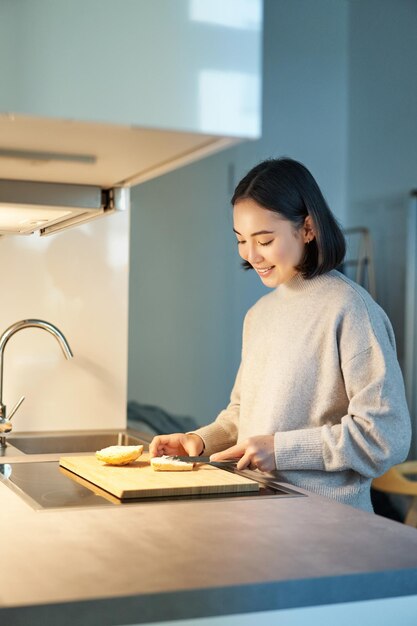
[(264, 271)]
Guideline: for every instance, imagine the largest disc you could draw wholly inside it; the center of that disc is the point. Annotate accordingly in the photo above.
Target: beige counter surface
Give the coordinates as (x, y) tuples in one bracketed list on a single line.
[(147, 562)]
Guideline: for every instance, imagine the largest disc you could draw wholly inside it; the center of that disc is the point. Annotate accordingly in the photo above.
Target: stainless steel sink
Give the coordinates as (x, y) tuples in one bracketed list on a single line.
[(80, 442)]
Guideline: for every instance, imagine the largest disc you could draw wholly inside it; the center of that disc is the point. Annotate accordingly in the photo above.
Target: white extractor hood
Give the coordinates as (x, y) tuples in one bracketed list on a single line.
[(58, 173), (106, 95), (28, 206)]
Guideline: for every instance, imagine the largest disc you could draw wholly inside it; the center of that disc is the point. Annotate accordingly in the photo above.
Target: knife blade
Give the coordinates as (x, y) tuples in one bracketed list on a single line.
[(203, 459)]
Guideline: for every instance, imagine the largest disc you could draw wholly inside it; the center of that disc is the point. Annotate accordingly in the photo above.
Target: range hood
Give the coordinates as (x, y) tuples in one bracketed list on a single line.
[(55, 174), (26, 207)]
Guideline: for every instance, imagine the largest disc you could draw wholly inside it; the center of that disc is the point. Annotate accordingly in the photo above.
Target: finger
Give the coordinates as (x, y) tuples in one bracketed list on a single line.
[(153, 446), (192, 445), (231, 453), (159, 445), (244, 462)]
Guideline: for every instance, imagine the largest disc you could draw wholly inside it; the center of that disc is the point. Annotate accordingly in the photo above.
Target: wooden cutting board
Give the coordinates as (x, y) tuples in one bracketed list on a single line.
[(139, 480)]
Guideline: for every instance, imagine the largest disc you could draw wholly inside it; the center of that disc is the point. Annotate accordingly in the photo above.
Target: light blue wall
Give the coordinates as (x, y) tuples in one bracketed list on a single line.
[(188, 295), (7, 61), (382, 146), (182, 343)]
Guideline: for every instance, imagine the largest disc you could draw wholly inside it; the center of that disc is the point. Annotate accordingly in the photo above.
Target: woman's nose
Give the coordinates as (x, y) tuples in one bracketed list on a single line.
[(253, 255)]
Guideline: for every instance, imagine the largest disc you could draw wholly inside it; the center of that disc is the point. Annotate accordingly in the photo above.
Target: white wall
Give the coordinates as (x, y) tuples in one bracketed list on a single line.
[(77, 280), (382, 146), (188, 295)]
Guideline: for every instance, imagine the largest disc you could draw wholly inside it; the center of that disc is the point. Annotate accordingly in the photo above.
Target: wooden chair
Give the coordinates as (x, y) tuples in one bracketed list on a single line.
[(395, 481)]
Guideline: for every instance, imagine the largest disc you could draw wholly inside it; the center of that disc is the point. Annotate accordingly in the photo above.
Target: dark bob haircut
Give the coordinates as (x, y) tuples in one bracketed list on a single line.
[(286, 187)]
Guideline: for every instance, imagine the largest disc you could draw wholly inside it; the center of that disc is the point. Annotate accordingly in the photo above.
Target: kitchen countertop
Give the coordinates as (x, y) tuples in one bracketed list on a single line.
[(149, 562)]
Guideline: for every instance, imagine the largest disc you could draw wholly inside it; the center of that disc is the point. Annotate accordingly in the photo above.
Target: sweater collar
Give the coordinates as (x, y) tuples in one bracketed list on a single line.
[(298, 285)]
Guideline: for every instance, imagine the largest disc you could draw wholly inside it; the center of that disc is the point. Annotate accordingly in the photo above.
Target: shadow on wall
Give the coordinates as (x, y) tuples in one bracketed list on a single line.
[(153, 419)]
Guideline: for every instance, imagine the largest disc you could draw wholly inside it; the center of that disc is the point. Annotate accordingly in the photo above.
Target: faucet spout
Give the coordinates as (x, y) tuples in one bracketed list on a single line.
[(14, 328)]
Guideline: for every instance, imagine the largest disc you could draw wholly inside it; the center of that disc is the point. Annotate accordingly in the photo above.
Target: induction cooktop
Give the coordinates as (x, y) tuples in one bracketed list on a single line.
[(46, 485)]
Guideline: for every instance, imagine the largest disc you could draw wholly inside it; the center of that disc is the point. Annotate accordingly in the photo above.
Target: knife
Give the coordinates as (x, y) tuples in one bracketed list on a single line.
[(203, 459)]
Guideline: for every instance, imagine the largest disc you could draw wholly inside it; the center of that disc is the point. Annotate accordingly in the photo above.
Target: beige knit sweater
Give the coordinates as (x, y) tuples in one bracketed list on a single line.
[(319, 371)]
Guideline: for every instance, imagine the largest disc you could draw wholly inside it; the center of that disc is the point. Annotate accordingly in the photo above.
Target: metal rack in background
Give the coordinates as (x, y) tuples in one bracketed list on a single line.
[(410, 337), (359, 262)]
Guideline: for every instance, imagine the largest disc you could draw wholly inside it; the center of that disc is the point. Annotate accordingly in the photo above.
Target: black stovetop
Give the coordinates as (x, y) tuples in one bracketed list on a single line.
[(45, 485)]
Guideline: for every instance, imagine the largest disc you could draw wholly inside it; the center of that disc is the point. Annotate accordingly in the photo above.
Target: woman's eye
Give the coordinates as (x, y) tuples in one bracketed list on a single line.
[(267, 243)]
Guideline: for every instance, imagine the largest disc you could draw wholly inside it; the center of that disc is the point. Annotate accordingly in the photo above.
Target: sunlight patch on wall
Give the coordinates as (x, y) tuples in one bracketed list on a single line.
[(234, 98), (242, 14)]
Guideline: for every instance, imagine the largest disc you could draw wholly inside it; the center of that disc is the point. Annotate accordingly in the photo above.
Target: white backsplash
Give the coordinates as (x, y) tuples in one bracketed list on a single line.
[(78, 281)]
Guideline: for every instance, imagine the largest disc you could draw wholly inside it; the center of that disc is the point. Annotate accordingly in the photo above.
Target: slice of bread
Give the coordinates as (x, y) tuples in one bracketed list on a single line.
[(169, 464), (119, 455)]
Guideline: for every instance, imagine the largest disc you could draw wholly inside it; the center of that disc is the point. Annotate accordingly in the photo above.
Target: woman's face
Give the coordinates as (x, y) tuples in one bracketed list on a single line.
[(269, 242)]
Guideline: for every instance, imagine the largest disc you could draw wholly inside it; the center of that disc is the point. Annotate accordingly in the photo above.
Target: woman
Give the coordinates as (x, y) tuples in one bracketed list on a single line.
[(319, 397)]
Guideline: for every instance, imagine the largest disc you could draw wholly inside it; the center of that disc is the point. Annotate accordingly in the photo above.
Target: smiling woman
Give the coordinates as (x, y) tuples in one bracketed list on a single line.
[(319, 397), (283, 195), (273, 252)]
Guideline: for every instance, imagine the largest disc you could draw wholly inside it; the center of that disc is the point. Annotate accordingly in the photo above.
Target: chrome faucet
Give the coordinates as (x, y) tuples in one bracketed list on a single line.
[(5, 423)]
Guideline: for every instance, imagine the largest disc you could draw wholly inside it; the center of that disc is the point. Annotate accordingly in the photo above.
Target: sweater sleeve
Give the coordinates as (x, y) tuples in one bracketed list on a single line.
[(222, 433), (374, 434)]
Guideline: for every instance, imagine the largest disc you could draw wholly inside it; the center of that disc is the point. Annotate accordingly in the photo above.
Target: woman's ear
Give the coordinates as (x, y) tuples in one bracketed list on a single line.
[(309, 233)]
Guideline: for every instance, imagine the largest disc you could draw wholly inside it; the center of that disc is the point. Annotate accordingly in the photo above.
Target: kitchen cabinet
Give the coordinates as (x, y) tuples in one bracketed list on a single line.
[(99, 92)]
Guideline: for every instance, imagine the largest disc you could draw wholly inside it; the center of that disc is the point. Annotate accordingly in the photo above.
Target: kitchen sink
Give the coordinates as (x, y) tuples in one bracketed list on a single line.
[(69, 442)]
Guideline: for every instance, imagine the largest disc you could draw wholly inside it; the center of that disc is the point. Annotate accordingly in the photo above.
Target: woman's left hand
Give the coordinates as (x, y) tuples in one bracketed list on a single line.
[(255, 453)]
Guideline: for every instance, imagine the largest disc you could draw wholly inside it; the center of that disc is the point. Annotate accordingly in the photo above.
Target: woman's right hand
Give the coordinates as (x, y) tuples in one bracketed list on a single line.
[(177, 444)]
